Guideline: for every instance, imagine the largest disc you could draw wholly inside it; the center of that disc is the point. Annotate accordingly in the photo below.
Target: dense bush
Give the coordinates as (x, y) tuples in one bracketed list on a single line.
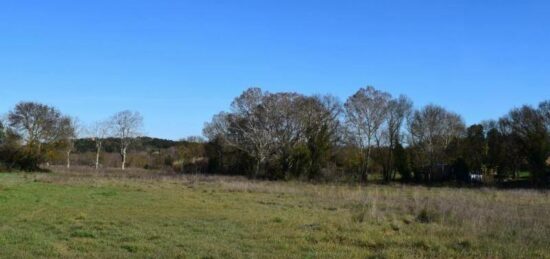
[(13, 158)]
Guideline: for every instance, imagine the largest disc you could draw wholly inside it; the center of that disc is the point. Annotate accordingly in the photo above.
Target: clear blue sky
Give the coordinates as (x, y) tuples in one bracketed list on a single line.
[(180, 62)]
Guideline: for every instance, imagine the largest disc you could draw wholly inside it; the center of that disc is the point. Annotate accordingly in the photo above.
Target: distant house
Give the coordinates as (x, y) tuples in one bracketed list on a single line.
[(476, 177)]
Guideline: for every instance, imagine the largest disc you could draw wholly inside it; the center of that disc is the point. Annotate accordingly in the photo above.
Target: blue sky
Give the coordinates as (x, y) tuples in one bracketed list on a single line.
[(180, 62)]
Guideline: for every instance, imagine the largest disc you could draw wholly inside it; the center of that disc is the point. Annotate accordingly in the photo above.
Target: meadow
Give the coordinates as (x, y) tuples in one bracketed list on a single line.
[(158, 215)]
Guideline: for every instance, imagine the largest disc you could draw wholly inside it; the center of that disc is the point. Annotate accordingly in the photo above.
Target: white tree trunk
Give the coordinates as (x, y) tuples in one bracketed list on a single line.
[(97, 158), (123, 158), (68, 159)]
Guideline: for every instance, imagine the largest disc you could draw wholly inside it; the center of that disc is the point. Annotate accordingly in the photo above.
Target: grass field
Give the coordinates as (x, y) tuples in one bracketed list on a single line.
[(108, 215)]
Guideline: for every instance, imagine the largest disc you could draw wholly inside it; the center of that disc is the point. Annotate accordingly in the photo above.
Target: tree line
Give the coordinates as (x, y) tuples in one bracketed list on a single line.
[(287, 135), (290, 135)]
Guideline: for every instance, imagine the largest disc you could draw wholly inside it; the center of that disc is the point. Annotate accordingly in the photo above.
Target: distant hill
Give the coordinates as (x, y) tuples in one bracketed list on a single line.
[(111, 145)]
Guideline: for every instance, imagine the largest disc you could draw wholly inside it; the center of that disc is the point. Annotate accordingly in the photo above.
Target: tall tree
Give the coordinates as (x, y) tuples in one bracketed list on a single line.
[(320, 129), (365, 113), (247, 127), (283, 132), (283, 123), (474, 148), (398, 110), (36, 123), (431, 131), (528, 125), (127, 127), (512, 156)]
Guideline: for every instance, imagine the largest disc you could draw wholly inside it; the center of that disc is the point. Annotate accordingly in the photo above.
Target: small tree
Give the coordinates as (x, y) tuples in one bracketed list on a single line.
[(99, 131), (126, 127), (69, 129)]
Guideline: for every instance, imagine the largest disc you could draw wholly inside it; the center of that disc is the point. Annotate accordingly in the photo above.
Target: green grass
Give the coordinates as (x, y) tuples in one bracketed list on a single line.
[(62, 215)]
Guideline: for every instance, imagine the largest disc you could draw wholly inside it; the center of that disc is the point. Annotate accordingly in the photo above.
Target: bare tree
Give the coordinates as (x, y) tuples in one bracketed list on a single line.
[(126, 127), (99, 131), (271, 127), (69, 129), (283, 123), (365, 113), (247, 127), (398, 110), (431, 130)]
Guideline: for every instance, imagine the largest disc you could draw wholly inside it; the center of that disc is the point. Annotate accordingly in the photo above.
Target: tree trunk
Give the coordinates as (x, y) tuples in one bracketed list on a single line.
[(257, 168), (391, 168), (365, 173), (123, 158), (39, 147), (98, 151), (68, 159)]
